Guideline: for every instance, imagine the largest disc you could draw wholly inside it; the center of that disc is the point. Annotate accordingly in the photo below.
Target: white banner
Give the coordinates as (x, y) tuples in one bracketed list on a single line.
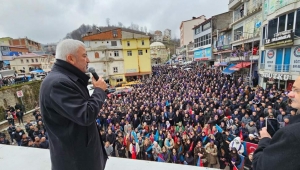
[(270, 57), (295, 59)]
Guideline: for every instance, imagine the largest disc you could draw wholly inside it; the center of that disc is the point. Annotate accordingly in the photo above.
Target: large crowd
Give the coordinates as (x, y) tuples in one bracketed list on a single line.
[(196, 116)]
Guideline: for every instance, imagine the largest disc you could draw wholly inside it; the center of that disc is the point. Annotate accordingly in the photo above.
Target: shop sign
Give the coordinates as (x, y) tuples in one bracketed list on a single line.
[(295, 59), (276, 76), (224, 47), (281, 38)]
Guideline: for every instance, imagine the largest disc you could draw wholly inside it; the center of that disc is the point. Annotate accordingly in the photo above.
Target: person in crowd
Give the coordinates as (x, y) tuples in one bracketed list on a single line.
[(248, 162), (223, 158), (20, 115), (108, 148), (212, 153)]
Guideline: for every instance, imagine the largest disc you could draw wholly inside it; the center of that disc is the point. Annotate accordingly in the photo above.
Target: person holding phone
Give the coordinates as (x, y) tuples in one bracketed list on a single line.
[(282, 150)]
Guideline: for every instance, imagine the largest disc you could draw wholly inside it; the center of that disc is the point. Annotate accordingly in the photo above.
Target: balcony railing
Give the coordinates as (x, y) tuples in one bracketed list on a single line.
[(276, 67)]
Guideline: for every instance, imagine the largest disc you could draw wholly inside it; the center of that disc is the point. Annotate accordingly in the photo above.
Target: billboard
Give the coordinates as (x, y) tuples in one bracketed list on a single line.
[(202, 54)]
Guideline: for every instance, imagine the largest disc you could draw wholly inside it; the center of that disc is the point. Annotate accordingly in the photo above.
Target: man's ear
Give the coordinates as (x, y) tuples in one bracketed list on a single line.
[(70, 59)]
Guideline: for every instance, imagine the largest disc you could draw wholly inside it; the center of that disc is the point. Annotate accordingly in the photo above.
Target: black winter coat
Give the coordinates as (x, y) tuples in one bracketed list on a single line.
[(280, 152), (69, 114)]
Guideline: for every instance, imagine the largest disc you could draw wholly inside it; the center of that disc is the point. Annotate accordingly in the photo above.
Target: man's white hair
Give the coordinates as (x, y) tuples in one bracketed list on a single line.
[(66, 47)]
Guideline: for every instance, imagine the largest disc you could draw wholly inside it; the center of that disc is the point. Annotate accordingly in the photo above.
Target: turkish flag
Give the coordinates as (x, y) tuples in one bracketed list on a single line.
[(241, 135), (235, 168), (251, 147)]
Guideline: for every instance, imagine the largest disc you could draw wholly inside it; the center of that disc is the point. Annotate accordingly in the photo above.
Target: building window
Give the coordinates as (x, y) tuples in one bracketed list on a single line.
[(115, 69), (128, 43), (103, 52), (297, 28), (146, 51), (272, 28), (290, 21), (129, 53), (281, 26), (96, 55), (32, 60), (22, 61), (113, 43), (27, 61), (238, 34), (143, 43), (140, 52), (36, 60), (95, 42), (116, 53), (119, 80)]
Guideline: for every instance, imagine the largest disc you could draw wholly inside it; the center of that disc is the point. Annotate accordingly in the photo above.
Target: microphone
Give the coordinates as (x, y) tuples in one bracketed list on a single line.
[(95, 75)]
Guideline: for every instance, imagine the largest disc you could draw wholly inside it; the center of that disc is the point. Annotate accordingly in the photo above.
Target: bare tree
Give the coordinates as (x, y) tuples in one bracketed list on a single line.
[(145, 29), (108, 22), (142, 29), (120, 24)]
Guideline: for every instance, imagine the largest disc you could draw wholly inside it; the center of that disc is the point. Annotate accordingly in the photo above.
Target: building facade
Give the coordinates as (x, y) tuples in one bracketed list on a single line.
[(5, 41), (136, 52), (280, 51), (158, 36), (203, 41), (31, 45), (104, 50), (186, 35), (29, 62)]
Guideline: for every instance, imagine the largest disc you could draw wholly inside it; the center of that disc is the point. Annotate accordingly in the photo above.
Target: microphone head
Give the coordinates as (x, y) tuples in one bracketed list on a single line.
[(91, 70)]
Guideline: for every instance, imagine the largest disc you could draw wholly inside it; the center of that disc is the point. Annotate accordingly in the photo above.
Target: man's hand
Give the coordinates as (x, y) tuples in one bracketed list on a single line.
[(264, 133), (100, 83)]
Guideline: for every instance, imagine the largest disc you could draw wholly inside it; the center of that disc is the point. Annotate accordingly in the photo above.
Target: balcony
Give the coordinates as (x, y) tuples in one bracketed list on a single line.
[(41, 160), (234, 3), (276, 67)]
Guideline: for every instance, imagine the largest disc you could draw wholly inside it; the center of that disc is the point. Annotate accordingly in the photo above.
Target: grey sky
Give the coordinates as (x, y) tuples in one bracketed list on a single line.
[(49, 21)]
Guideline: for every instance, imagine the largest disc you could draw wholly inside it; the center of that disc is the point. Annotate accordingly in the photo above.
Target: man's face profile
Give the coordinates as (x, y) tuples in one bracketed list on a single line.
[(80, 59), (294, 95)]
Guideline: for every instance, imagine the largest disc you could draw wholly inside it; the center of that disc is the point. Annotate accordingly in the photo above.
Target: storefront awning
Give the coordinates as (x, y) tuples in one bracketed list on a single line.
[(228, 70), (241, 65)]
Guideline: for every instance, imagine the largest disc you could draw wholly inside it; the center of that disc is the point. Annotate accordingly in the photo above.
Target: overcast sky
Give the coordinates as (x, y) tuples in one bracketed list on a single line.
[(49, 21)]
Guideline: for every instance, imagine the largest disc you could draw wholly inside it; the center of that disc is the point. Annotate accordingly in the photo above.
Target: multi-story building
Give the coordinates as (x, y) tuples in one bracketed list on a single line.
[(29, 62), (136, 52), (158, 37), (10, 51), (186, 35), (221, 38), (104, 50), (167, 35), (280, 50), (31, 45), (245, 38)]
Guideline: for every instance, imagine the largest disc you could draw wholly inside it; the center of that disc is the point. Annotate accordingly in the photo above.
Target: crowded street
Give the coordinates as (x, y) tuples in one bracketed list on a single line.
[(196, 116)]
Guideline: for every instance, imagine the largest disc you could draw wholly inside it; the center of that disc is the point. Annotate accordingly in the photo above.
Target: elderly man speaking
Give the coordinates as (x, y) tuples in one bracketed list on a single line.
[(69, 112)]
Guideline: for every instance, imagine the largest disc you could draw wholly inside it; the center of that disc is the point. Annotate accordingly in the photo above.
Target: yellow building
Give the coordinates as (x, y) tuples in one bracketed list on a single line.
[(136, 52)]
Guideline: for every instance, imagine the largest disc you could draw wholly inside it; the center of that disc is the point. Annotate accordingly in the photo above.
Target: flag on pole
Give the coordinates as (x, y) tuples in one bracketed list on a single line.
[(156, 137), (160, 158), (199, 162), (241, 135), (249, 147), (219, 129)]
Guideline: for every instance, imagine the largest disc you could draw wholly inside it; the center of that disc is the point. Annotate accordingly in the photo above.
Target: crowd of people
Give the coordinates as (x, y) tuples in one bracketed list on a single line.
[(195, 116)]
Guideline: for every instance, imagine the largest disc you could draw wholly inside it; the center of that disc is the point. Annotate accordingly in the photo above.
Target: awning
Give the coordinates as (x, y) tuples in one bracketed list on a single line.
[(241, 65), (228, 70)]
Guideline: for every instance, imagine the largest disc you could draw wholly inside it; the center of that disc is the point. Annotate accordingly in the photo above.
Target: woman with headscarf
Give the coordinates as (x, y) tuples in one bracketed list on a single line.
[(174, 157), (248, 162), (156, 150)]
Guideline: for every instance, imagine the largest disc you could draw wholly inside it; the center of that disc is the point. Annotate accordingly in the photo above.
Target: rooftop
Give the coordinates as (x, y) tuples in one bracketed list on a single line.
[(157, 44), (41, 160)]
